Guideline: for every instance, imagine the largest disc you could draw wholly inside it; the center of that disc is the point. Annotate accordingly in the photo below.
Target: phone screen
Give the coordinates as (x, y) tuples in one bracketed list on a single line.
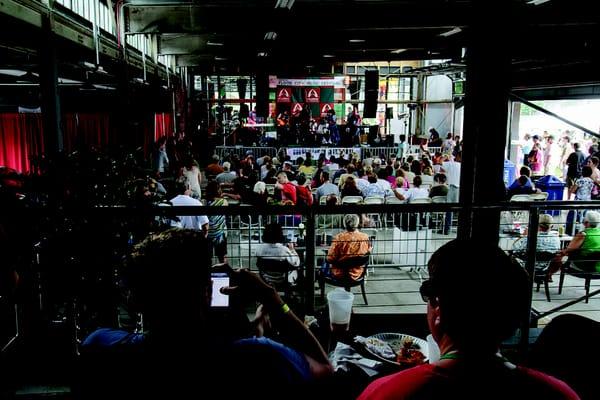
[(219, 280)]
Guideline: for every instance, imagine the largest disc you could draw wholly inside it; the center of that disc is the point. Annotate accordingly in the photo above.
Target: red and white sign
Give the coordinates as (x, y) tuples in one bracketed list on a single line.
[(325, 107), (284, 95), (296, 109), (312, 95)]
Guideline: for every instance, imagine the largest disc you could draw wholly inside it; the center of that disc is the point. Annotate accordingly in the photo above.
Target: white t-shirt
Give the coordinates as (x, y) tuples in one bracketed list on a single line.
[(452, 171), (189, 221)]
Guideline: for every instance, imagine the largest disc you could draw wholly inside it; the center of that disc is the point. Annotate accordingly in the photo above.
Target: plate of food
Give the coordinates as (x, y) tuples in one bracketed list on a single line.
[(398, 349)]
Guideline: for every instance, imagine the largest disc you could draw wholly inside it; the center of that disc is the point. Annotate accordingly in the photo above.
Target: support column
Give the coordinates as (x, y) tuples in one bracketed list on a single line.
[(486, 120), (515, 117), (53, 138)]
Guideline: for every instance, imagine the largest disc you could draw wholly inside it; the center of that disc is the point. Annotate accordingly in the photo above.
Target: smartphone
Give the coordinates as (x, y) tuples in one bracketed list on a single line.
[(219, 280)]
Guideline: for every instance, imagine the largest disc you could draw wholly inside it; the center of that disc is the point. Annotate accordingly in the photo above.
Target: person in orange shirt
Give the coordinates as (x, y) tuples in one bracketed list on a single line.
[(348, 244)]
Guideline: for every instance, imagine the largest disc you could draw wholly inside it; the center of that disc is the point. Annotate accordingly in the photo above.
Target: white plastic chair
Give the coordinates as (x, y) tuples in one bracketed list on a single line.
[(373, 200), (352, 200), (521, 197), (539, 196), (393, 200), (426, 200)]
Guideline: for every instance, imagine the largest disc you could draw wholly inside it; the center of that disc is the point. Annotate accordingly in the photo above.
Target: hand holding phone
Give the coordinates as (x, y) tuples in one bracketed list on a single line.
[(219, 280)]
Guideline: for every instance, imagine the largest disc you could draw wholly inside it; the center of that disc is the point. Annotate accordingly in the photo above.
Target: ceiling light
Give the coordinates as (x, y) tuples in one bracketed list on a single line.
[(270, 35), (451, 32), (328, 56), (209, 43), (537, 2), (220, 58), (356, 40), (284, 4), (262, 54), (398, 51)]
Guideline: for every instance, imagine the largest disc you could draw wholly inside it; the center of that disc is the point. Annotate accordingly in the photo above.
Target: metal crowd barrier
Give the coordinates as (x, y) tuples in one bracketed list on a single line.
[(241, 151)]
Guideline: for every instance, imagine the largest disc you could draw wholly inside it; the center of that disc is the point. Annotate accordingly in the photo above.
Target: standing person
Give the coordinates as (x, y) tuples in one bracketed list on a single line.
[(402, 149), (217, 229), (526, 146), (192, 173), (574, 164), (551, 157), (352, 126), (452, 170), (161, 160), (334, 132), (469, 331), (536, 159)]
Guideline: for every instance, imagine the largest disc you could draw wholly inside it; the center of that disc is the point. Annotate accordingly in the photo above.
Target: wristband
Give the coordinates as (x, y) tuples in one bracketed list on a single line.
[(285, 308)]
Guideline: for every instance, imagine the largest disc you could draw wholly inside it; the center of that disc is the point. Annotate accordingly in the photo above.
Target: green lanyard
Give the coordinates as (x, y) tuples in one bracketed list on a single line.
[(454, 355)]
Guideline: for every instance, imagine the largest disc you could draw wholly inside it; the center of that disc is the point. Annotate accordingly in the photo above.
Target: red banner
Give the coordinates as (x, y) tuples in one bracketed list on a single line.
[(312, 95), (296, 109), (284, 95), (325, 107)]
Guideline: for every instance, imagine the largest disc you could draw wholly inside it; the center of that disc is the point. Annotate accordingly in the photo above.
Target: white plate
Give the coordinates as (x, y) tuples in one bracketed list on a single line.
[(395, 341)]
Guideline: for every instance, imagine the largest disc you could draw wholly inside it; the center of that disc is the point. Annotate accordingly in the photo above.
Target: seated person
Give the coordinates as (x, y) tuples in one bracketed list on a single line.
[(586, 244), (522, 185), (181, 331), (413, 193), (439, 188), (303, 193), (350, 188), (272, 248), (547, 240), (470, 314), (348, 244)]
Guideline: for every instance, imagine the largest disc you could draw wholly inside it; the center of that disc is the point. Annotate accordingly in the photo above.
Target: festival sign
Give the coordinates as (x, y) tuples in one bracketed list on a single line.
[(296, 109), (312, 95), (337, 82), (325, 107), (284, 95)]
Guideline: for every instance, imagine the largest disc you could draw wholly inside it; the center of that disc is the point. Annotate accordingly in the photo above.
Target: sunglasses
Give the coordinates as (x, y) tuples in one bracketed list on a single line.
[(426, 291)]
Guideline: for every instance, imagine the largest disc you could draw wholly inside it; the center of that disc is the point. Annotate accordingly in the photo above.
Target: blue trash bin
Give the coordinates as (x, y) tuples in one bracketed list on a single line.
[(510, 172), (554, 187)]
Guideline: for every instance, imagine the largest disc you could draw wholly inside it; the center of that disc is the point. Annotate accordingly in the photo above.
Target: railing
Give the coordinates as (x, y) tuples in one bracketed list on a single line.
[(241, 151), (403, 238)]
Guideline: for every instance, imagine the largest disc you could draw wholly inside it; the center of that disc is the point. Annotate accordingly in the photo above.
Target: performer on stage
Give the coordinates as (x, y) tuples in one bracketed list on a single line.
[(283, 127), (333, 128)]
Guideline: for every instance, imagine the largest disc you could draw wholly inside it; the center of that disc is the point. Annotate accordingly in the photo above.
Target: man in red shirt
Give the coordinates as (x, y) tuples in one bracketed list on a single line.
[(288, 190), (476, 298)]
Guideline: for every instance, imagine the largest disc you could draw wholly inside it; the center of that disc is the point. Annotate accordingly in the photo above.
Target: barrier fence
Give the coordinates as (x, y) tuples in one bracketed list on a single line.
[(295, 152), (402, 236)]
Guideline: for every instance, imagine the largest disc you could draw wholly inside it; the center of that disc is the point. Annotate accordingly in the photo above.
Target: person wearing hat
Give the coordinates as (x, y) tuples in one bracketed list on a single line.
[(584, 246), (547, 240)]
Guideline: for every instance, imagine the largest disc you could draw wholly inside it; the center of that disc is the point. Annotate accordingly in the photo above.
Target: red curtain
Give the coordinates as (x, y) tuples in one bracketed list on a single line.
[(86, 130), (163, 125), (21, 138)]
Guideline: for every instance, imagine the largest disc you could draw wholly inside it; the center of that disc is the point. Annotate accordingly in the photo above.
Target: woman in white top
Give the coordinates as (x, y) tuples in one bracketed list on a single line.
[(191, 171), (272, 248), (414, 192)]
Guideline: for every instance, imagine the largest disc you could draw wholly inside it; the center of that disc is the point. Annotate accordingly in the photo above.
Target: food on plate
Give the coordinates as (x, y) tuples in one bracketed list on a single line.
[(380, 348), (410, 353)]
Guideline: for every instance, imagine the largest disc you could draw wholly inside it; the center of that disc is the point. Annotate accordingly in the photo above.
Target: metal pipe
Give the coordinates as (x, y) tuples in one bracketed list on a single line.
[(550, 113)]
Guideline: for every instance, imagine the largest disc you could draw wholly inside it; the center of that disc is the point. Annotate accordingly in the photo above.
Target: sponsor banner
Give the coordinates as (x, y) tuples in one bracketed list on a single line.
[(312, 95), (325, 107), (284, 95), (296, 109), (337, 82)]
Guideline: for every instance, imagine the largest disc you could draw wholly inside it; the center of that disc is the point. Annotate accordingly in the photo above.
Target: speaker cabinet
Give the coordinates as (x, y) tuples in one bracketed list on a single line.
[(371, 93)]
